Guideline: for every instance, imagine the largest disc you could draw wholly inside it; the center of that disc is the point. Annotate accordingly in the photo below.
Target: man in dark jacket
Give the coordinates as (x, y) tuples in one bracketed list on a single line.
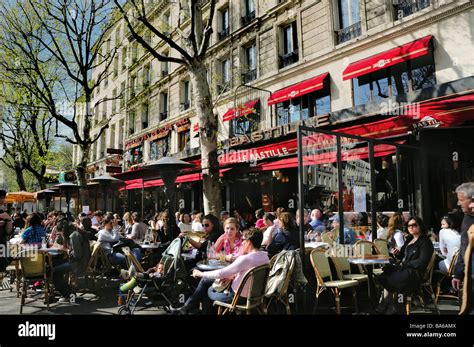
[(465, 193)]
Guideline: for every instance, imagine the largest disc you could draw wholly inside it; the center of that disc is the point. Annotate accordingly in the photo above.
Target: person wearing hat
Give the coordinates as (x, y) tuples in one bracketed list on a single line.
[(349, 234)]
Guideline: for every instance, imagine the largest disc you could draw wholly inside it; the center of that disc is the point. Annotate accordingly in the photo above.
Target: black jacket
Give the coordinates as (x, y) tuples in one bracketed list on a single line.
[(467, 221), (417, 255), (284, 240)]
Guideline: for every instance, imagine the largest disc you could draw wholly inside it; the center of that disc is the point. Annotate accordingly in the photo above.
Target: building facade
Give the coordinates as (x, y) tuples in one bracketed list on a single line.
[(335, 64)]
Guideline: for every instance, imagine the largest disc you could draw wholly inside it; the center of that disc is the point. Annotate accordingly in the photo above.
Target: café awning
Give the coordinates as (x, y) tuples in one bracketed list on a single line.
[(388, 58), (299, 89), (240, 111)]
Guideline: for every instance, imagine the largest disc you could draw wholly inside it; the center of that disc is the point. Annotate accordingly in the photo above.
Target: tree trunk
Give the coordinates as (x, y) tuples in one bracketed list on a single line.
[(19, 178), (208, 137), (81, 175)]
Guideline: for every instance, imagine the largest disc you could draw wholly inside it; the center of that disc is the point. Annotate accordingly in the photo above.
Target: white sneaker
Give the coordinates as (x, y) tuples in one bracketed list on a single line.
[(63, 300)]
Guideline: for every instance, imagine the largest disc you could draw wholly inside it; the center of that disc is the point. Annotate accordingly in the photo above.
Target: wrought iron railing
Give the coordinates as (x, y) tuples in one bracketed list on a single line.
[(289, 58), (349, 33)]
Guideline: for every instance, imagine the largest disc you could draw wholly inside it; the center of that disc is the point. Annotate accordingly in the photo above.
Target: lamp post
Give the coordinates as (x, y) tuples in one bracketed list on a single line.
[(168, 168), (105, 182), (67, 189)]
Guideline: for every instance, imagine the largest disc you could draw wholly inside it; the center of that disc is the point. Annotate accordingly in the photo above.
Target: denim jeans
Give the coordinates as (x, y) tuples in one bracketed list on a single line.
[(117, 259), (225, 296), (59, 281), (200, 295)]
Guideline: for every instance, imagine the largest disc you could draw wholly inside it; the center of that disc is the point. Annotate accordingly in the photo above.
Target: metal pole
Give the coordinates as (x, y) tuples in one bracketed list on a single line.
[(104, 194), (143, 193), (340, 205), (301, 203), (373, 188), (399, 182)]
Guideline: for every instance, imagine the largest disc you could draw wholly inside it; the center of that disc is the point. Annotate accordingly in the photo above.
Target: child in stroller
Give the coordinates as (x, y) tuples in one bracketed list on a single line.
[(165, 284)]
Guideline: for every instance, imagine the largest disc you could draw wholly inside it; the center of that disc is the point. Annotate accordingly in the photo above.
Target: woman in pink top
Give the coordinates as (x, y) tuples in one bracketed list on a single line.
[(252, 257), (230, 241)]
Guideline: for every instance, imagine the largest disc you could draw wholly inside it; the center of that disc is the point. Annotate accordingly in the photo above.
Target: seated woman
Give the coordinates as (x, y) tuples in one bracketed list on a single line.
[(34, 231), (270, 231), (286, 238), (211, 227), (231, 242), (449, 242), (252, 257), (107, 237), (415, 256)]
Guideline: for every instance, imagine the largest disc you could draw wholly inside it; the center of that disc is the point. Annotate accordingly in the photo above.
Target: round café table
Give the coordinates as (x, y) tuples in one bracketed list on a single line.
[(210, 265)]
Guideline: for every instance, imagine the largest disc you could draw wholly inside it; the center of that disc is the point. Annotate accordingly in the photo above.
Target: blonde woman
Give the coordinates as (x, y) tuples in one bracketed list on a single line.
[(230, 241), (128, 223)]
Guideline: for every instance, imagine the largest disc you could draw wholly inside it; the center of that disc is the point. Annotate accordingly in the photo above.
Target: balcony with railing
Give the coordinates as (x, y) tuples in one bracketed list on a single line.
[(223, 87), (404, 8), (163, 115), (348, 33), (248, 18), (223, 33), (185, 106), (164, 72), (249, 76), (289, 58)]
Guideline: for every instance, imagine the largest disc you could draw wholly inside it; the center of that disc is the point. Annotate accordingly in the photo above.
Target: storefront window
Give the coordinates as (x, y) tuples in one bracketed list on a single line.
[(159, 148), (404, 77), (135, 156)]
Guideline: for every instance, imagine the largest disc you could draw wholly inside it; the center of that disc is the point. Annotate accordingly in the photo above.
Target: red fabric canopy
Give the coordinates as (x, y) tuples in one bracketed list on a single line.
[(388, 58), (329, 157), (299, 89), (246, 109)]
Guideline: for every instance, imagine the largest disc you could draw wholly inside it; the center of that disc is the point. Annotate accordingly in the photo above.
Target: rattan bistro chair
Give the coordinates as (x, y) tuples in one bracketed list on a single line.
[(281, 295), (426, 286), (35, 266), (132, 260), (441, 277), (256, 279), (381, 247), (322, 270)]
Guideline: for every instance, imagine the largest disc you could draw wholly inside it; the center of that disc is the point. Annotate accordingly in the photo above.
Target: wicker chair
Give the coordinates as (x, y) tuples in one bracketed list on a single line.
[(322, 270), (257, 281), (441, 277)]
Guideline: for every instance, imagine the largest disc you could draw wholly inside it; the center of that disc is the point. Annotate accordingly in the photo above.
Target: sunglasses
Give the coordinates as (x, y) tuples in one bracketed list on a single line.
[(412, 225), (206, 225)]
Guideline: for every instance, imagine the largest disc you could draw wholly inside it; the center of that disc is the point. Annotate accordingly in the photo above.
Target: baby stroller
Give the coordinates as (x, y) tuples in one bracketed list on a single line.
[(168, 290)]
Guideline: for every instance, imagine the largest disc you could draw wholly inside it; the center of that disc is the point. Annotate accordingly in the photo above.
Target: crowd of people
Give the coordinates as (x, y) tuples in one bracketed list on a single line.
[(242, 243)]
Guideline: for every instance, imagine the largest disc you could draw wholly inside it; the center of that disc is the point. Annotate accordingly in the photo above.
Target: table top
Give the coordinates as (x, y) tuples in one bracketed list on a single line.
[(150, 246), (212, 264), (367, 260), (315, 244), (52, 251)]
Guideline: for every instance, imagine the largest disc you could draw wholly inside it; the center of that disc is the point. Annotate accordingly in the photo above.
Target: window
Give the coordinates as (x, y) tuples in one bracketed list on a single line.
[(134, 52), (133, 82), (131, 122), (224, 30), (145, 115), (404, 8), (146, 76), (166, 24), (398, 79), (135, 156), (185, 103), (112, 136), (349, 20), (122, 94), (184, 138), (309, 105), (224, 72), (120, 133), (247, 124), (165, 65), (124, 58), (163, 106), (147, 37), (159, 148), (249, 11), (116, 66), (289, 45), (250, 72), (114, 101)]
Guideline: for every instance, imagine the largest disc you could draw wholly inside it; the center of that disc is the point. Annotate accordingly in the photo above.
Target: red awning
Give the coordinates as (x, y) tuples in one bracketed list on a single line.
[(246, 109), (196, 127), (193, 177), (388, 58), (299, 89), (329, 157)]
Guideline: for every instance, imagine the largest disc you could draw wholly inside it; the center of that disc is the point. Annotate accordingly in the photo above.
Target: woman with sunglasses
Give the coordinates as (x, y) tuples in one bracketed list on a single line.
[(211, 227), (415, 256)]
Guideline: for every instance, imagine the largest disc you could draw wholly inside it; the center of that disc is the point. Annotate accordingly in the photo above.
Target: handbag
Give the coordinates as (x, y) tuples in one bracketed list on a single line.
[(221, 285)]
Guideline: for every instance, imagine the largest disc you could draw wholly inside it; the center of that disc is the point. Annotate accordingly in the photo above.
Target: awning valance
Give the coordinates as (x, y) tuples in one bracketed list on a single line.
[(299, 89), (388, 58), (246, 109)]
